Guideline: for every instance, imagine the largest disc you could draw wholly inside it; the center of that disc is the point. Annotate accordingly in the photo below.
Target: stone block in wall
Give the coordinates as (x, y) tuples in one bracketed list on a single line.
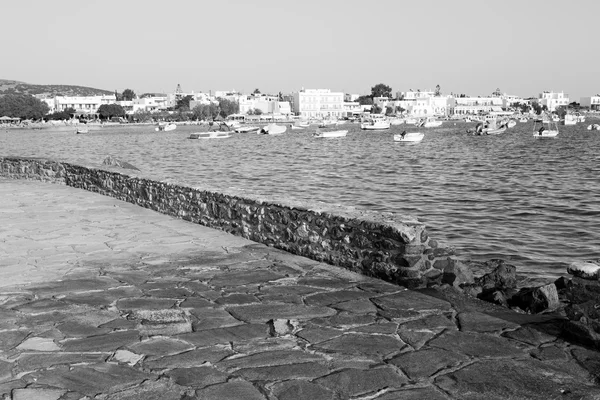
[(456, 273)]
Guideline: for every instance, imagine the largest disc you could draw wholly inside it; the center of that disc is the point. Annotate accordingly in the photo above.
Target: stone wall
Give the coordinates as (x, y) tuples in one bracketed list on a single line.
[(388, 246)]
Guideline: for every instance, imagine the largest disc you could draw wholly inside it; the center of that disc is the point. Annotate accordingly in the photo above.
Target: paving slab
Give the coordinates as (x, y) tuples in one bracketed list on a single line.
[(105, 299)]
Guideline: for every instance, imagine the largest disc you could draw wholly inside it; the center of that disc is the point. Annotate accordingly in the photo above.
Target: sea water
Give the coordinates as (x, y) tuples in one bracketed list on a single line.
[(534, 203)]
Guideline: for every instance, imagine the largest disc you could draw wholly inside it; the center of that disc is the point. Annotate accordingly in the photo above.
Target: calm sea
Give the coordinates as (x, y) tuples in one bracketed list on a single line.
[(534, 203)]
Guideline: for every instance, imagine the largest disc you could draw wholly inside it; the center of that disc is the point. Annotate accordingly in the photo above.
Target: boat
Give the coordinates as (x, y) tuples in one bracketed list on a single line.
[(411, 121), (303, 124), (166, 128), (82, 130), (511, 123), (593, 127), (375, 124), (210, 135), (330, 134), (430, 122), (247, 129), (489, 127), (296, 127), (570, 119), (409, 137), (523, 120), (545, 128), (273, 129), (327, 123)]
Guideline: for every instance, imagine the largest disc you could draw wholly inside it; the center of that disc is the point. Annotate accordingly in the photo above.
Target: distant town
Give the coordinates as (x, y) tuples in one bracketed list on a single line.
[(304, 103)]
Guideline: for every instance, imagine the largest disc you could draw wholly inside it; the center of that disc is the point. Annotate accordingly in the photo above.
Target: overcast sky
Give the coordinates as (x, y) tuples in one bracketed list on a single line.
[(466, 46)]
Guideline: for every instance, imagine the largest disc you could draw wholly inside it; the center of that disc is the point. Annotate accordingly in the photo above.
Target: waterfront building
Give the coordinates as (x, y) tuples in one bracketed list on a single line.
[(478, 105), (352, 108), (418, 104), (83, 105), (150, 102), (318, 103), (351, 97), (593, 102), (552, 100)]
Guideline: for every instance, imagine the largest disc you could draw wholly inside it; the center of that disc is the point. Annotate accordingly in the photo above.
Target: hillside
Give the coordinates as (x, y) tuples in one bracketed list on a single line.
[(9, 86)]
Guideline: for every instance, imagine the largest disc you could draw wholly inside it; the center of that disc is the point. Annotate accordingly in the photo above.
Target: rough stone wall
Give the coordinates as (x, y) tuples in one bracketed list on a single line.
[(394, 248)]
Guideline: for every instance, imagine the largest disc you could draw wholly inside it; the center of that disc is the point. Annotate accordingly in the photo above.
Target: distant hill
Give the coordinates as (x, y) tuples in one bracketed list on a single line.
[(16, 87)]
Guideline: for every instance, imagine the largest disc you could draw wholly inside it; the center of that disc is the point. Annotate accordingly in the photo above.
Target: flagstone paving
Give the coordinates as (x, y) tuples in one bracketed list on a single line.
[(101, 299)]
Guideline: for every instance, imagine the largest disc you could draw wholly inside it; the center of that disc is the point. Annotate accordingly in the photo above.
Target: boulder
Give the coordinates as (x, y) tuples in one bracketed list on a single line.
[(502, 277), (584, 269), (457, 274), (112, 161), (536, 299)]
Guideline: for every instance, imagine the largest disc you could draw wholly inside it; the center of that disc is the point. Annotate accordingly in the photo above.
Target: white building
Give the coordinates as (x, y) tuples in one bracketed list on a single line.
[(319, 103), (418, 104), (81, 104), (150, 103), (348, 97), (593, 102), (553, 100), (478, 105)]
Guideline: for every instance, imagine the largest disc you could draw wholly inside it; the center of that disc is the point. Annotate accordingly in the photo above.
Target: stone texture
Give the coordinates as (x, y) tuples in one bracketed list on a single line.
[(584, 269), (234, 390), (197, 377), (308, 370), (108, 342), (419, 365), (294, 390), (362, 344), (266, 312), (356, 382)]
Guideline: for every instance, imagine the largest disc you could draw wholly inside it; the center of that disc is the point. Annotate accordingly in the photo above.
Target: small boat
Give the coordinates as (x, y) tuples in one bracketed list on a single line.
[(303, 124), (165, 128), (327, 123), (409, 137), (545, 128), (296, 127), (430, 123), (570, 119), (82, 130), (375, 124), (490, 127), (330, 134), (523, 120), (210, 135), (593, 127), (247, 129), (273, 129), (511, 123)]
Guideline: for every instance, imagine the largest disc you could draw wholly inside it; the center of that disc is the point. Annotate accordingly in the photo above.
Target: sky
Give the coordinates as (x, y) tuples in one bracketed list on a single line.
[(522, 47)]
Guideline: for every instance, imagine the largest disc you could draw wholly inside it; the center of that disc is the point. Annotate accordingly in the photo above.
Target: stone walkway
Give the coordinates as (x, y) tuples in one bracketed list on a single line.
[(101, 299)]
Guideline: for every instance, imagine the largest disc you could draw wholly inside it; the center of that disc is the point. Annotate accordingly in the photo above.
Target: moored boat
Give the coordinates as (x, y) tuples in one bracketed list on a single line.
[(273, 129), (409, 137), (430, 122), (593, 127), (376, 124), (523, 120), (511, 123), (570, 119), (166, 128), (545, 128), (210, 135), (82, 130), (247, 129), (330, 134)]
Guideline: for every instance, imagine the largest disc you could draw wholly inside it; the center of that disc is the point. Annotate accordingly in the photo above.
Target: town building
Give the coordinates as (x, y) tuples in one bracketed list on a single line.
[(84, 106), (318, 103), (593, 102), (552, 100)]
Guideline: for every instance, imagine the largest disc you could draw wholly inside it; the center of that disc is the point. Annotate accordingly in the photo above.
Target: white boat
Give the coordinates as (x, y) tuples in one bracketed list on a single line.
[(330, 134), (580, 118), (467, 119), (411, 121), (523, 120), (273, 129), (489, 127), (303, 124), (545, 128), (296, 127), (570, 119), (327, 123), (396, 121), (376, 124), (166, 128), (593, 127), (409, 137), (511, 123), (247, 129), (430, 122), (210, 135), (82, 130)]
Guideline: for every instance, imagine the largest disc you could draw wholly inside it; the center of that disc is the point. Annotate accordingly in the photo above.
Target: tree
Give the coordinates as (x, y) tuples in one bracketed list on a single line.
[(22, 106), (228, 107), (184, 103), (438, 91), (389, 110), (256, 91), (108, 111), (375, 109), (365, 100), (257, 111), (128, 94), (524, 108), (381, 90)]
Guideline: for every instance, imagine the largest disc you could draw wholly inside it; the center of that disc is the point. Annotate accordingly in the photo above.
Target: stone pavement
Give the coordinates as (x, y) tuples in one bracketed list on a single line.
[(101, 299)]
